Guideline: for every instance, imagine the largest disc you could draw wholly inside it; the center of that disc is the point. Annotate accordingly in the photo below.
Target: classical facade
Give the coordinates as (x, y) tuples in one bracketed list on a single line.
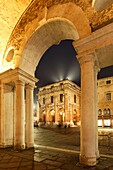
[(16, 101), (105, 102), (28, 29), (52, 99), (59, 103)]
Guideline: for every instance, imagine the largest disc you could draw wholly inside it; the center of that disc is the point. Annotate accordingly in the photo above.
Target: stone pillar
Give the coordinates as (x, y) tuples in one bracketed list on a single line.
[(96, 69), (29, 117), (56, 109), (40, 110), (47, 113), (6, 115), (38, 116), (102, 121), (70, 112), (2, 116), (66, 108), (19, 133), (88, 121)]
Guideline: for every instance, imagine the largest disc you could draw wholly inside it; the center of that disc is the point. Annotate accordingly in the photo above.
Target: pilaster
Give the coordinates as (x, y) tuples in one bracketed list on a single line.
[(66, 107), (56, 109), (47, 113)]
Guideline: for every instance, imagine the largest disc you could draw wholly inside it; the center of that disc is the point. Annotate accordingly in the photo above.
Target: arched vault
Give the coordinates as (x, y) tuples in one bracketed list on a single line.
[(30, 40)]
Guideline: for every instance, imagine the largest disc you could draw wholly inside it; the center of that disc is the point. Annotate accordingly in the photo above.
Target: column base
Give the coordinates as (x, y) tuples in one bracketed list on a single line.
[(30, 145), (89, 161), (97, 154), (5, 146), (19, 147)]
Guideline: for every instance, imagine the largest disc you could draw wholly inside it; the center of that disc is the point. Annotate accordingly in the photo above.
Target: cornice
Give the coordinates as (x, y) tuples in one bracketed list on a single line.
[(17, 74), (96, 40)]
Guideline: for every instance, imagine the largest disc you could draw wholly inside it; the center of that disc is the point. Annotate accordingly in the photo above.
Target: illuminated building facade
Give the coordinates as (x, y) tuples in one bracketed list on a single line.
[(105, 102), (28, 29), (59, 103)]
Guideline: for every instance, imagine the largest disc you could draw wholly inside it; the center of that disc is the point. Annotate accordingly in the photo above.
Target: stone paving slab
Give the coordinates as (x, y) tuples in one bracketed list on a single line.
[(53, 151), (63, 160)]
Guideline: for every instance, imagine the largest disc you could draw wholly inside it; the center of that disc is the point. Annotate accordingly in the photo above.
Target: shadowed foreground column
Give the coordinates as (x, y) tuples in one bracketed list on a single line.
[(56, 109), (88, 121), (29, 117), (19, 134), (96, 68)]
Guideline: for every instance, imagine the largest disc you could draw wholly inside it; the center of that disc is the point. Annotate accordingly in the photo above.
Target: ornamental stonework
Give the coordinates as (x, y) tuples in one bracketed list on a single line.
[(36, 11)]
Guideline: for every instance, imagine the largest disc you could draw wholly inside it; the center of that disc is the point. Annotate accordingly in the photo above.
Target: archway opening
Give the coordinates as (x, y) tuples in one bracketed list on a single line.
[(51, 69), (58, 63)]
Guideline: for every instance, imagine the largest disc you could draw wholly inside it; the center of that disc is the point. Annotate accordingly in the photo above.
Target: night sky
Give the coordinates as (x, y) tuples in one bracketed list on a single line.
[(59, 63)]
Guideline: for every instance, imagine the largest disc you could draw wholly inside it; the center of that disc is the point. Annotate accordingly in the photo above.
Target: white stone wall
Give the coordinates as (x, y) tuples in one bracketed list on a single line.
[(8, 118)]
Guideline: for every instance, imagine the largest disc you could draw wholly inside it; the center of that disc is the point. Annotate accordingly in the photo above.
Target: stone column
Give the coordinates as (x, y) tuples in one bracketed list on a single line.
[(2, 116), (38, 116), (70, 112), (47, 114), (88, 121), (29, 117), (66, 107), (96, 69), (102, 121), (56, 109), (19, 133)]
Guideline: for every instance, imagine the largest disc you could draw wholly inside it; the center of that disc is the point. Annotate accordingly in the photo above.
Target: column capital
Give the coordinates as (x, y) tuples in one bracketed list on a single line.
[(65, 95), (96, 68), (30, 86), (19, 82), (85, 58)]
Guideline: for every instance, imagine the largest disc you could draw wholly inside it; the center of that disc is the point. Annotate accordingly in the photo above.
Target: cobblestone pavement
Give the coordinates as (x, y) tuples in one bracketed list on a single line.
[(54, 150)]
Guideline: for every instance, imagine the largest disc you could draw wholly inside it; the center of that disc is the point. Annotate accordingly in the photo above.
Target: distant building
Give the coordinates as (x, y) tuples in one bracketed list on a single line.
[(105, 102), (59, 103)]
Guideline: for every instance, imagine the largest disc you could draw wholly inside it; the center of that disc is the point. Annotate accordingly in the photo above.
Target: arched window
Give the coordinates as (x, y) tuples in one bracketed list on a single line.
[(99, 112), (105, 111), (108, 112)]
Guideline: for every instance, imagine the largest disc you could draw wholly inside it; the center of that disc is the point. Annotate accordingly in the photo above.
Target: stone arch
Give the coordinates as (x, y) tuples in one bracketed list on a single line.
[(59, 22), (50, 33)]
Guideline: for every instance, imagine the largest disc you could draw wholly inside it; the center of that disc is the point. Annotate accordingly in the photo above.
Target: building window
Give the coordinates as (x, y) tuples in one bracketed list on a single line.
[(107, 123), (108, 82), (108, 112), (43, 100), (52, 87), (99, 112), (108, 96), (61, 84), (100, 123), (105, 111), (51, 99), (61, 97), (74, 98)]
